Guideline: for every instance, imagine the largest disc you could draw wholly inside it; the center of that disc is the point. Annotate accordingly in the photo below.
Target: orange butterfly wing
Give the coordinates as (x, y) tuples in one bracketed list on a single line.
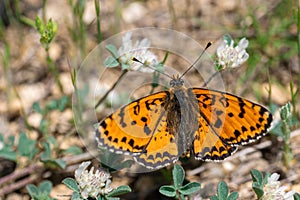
[(225, 122), (139, 129)]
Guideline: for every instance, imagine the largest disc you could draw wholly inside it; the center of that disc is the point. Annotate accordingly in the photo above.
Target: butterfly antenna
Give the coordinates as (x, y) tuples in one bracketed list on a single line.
[(207, 46), (146, 65)]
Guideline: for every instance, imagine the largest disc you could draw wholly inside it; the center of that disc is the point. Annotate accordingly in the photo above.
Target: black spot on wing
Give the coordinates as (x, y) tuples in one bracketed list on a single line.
[(121, 115)]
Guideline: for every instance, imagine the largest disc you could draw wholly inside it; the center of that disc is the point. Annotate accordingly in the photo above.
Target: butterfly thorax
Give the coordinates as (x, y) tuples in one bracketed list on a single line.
[(182, 115)]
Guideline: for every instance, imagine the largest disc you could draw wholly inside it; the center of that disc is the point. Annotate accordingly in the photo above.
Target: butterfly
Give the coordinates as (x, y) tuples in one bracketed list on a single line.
[(157, 129)]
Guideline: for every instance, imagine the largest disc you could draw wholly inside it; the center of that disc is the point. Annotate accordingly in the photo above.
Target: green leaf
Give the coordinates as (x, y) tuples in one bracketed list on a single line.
[(113, 50), (11, 140), (190, 188), (178, 176), (62, 103), (257, 189), (52, 105), (233, 196), (37, 108), (296, 196), (111, 62), (38, 24), (112, 198), (51, 140), (124, 66), (45, 187), (74, 150), (101, 198), (285, 111), (7, 150), (168, 190), (43, 126), (257, 176), (60, 163), (32, 189), (8, 153), (222, 190), (214, 198), (228, 39), (123, 189), (26, 146), (71, 183), (76, 196), (45, 155)]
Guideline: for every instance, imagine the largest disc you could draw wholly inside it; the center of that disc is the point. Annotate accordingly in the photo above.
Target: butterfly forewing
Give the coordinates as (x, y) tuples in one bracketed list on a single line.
[(228, 119), (139, 129)]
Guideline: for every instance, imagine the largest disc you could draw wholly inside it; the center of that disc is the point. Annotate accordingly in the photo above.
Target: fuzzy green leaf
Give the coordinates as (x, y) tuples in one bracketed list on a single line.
[(233, 196), (257, 176), (32, 189), (258, 190), (45, 155), (296, 196), (285, 111), (113, 50), (190, 188), (71, 183), (45, 187), (124, 66), (112, 198), (123, 189), (8, 153), (111, 62), (74, 150), (76, 196), (178, 176), (60, 163), (222, 190), (168, 190), (26, 146), (228, 39), (214, 198), (37, 108)]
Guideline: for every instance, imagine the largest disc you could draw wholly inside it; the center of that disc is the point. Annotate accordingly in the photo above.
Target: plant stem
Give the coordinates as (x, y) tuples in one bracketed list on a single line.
[(210, 78), (97, 7), (115, 84), (54, 71)]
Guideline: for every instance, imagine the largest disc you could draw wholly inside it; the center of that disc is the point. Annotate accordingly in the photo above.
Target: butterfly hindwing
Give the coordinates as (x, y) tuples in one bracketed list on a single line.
[(208, 146), (227, 121), (139, 129)]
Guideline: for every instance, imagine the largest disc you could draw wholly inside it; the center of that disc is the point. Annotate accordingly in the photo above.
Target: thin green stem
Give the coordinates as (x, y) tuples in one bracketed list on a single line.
[(97, 7), (298, 42), (287, 151), (54, 71), (172, 12), (210, 78), (44, 11)]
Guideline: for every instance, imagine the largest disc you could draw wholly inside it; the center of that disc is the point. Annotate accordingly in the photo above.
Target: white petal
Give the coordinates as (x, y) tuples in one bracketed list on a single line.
[(81, 168)]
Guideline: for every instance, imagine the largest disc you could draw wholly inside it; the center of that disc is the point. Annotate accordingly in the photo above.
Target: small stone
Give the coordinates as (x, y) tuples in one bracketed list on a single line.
[(133, 12)]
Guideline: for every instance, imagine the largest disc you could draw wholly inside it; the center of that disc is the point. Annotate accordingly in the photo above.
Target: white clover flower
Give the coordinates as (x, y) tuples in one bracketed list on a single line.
[(229, 56), (140, 51), (92, 184), (273, 191)]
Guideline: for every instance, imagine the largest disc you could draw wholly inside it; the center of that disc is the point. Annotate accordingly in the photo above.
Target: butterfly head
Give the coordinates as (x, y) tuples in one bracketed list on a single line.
[(176, 81)]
